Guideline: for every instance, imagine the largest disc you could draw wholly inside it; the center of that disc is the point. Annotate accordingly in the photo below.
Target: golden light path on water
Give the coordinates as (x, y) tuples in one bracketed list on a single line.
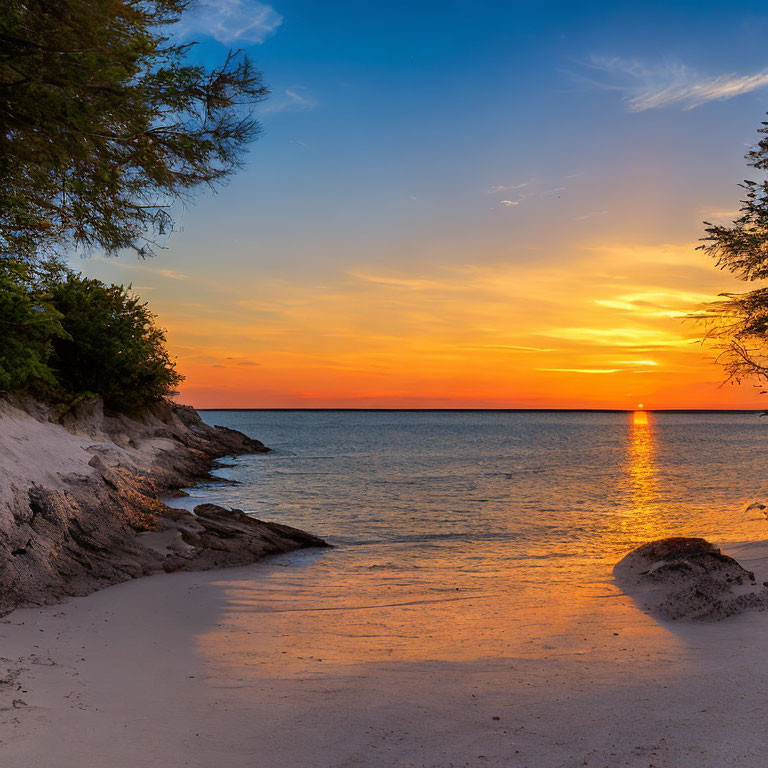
[(642, 516), (649, 511)]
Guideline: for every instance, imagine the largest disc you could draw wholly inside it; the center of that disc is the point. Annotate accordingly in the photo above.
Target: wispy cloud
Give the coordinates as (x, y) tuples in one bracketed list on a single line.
[(169, 273), (590, 215), (657, 303), (620, 337), (709, 214), (579, 370), (230, 21), (643, 86), (295, 97), (513, 347), (239, 361), (527, 190), (397, 282), (507, 187), (141, 267)]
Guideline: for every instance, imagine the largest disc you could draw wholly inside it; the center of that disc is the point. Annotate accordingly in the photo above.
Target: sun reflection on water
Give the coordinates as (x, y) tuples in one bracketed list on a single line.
[(643, 518), (642, 467)]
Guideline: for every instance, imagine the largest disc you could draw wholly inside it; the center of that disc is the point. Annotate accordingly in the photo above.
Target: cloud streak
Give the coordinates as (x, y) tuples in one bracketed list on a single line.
[(230, 21), (294, 97), (590, 215), (507, 187), (620, 337), (670, 83), (167, 273), (579, 370)]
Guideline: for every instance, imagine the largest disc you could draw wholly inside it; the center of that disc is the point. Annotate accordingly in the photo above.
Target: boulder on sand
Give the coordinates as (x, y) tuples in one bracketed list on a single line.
[(688, 578)]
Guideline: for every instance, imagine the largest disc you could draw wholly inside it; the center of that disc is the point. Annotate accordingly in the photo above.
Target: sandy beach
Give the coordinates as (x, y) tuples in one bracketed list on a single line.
[(243, 667)]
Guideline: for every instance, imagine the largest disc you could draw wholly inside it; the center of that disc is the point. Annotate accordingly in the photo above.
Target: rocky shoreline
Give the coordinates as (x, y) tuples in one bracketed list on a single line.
[(80, 501)]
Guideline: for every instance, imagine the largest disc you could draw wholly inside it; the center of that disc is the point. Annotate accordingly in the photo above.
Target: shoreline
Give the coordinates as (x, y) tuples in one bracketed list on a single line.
[(81, 507)]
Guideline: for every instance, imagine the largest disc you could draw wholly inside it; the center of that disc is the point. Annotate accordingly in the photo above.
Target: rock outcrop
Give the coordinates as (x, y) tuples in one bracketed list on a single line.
[(689, 578), (80, 508), (215, 537)]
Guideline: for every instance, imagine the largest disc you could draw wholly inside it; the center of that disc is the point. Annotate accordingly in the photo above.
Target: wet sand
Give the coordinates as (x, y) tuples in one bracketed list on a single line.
[(260, 667)]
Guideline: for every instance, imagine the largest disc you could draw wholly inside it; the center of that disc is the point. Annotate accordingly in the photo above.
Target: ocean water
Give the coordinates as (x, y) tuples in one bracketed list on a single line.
[(466, 534)]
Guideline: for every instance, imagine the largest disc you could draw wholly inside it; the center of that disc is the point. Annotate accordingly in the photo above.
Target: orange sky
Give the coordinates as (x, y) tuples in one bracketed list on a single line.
[(608, 332)]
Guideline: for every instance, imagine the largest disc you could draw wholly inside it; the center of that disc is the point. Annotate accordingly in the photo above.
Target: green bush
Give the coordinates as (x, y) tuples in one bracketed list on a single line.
[(63, 335), (28, 326), (112, 346)]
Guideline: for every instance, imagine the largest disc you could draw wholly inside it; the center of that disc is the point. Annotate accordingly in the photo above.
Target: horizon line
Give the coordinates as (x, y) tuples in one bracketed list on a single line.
[(499, 410)]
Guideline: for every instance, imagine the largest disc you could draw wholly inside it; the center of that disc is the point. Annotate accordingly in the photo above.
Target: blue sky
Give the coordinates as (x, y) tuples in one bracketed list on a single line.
[(404, 139), (375, 105)]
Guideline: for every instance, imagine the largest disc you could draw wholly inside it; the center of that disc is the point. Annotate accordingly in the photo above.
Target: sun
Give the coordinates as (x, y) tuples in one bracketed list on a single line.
[(640, 406)]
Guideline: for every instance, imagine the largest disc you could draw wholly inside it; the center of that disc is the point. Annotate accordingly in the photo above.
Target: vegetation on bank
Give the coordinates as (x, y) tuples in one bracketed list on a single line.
[(63, 336), (106, 121)]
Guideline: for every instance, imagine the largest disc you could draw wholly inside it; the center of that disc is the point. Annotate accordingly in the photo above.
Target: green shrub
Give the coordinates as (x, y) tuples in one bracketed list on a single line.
[(112, 346), (63, 336), (28, 326)]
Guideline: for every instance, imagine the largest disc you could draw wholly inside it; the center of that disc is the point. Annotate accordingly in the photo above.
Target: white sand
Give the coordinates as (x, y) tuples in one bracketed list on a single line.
[(255, 668)]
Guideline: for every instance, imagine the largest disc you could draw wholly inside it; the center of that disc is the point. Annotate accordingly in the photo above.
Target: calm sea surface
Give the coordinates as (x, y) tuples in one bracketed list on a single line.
[(511, 517)]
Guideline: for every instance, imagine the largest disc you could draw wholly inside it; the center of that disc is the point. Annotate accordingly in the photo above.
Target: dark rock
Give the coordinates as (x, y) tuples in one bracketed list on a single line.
[(688, 578), (220, 537)]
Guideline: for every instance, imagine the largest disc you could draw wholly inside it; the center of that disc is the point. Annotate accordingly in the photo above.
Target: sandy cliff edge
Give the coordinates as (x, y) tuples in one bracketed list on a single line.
[(80, 508)]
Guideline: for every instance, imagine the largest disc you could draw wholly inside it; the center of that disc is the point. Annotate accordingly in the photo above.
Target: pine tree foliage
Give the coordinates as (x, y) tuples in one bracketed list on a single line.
[(105, 122), (738, 322), (29, 323)]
